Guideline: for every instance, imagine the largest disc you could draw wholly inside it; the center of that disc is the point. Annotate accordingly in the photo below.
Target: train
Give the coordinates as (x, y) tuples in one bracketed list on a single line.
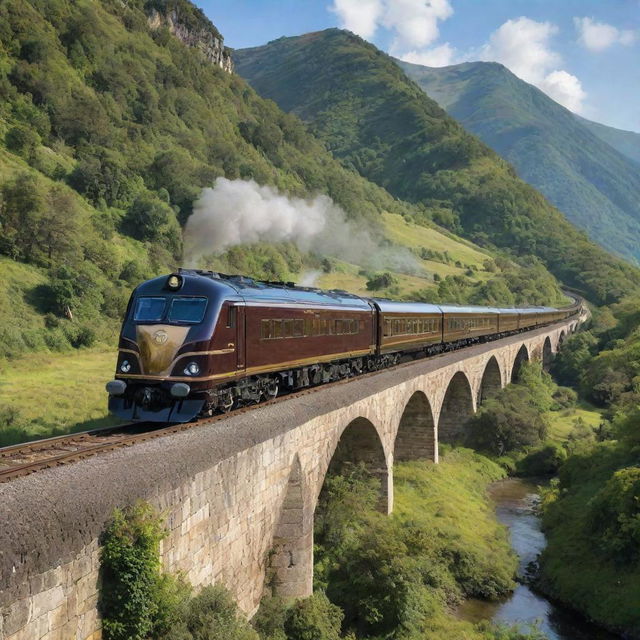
[(194, 343)]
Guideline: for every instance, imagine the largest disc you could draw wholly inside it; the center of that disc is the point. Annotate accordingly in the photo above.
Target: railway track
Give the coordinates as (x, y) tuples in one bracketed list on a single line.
[(29, 457)]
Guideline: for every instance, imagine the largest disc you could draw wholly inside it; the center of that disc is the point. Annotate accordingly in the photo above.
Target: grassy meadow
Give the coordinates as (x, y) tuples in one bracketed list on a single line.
[(47, 394)]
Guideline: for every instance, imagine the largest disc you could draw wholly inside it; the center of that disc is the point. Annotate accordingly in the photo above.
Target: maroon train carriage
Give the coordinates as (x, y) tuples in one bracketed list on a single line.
[(193, 343)]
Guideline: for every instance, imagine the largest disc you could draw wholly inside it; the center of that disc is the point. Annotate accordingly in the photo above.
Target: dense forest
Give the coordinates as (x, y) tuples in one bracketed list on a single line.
[(380, 123)]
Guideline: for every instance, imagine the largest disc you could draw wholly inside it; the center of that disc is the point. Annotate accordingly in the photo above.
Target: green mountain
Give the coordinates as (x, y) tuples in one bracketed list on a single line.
[(573, 162), (113, 116), (626, 142), (379, 122)]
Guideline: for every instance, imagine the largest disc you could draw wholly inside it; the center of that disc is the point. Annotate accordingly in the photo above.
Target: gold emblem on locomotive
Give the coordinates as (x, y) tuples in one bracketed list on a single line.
[(160, 337)]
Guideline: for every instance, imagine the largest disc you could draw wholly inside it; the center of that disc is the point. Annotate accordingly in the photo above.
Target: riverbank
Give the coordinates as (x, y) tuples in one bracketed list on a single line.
[(583, 564), (516, 502)]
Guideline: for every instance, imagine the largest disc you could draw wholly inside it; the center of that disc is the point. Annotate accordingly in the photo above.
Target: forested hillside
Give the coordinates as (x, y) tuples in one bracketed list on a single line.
[(379, 122), (626, 142), (110, 126), (572, 161)]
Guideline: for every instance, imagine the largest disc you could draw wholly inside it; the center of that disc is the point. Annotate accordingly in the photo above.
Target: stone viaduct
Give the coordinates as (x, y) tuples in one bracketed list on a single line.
[(239, 494)]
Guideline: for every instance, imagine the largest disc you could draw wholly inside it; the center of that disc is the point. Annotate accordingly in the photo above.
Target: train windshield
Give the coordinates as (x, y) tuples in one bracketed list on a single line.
[(149, 309), (187, 310)]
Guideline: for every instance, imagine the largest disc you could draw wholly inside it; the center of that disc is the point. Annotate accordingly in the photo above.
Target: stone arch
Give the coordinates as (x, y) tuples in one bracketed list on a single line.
[(547, 354), (457, 408), (290, 561), (360, 443), (561, 338), (416, 436), (521, 356), (491, 381)]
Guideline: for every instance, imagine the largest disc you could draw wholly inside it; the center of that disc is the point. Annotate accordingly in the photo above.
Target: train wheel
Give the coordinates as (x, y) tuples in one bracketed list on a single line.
[(273, 389)]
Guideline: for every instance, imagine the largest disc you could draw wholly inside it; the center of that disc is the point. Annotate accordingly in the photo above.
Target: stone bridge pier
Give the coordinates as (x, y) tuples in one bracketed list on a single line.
[(238, 495)]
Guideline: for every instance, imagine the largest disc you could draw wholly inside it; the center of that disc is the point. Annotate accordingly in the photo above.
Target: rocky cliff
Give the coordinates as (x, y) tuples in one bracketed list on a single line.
[(194, 30)]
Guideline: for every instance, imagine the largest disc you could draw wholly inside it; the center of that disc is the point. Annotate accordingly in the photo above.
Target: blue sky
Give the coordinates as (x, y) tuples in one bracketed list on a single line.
[(583, 53)]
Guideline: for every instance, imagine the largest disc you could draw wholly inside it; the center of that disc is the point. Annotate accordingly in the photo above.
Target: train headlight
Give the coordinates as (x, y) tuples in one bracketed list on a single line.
[(174, 282), (192, 369), (125, 366)]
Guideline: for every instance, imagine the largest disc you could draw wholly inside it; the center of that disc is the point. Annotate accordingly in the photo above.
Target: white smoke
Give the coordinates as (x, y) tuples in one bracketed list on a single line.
[(309, 278), (236, 212)]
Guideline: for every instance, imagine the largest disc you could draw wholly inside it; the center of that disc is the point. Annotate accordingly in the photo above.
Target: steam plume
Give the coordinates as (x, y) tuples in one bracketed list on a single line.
[(236, 212)]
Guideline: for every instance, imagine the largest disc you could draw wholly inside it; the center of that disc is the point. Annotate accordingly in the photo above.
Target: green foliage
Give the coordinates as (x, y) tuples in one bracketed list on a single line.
[(382, 125), (545, 461), (211, 615), (591, 521), (313, 618), (381, 281), (614, 514), (515, 418), (392, 576), (131, 568)]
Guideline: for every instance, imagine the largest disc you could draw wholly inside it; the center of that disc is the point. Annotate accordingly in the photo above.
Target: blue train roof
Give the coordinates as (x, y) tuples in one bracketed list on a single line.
[(393, 306), (282, 292), (454, 308)]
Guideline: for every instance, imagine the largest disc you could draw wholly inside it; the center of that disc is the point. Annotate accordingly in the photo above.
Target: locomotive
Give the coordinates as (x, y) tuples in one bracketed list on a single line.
[(194, 343)]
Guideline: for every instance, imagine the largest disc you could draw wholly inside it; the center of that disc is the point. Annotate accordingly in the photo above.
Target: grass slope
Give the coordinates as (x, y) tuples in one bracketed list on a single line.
[(382, 124), (580, 166)]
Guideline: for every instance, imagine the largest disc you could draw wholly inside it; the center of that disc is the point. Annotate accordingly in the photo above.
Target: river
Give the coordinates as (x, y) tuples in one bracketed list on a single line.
[(515, 507)]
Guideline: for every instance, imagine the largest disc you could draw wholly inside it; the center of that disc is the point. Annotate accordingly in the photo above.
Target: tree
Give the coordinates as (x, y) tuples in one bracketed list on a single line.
[(614, 515), (381, 281), (146, 218)]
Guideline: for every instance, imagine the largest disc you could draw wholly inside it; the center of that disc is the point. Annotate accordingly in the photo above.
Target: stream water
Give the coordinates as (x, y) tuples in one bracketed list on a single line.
[(515, 507)]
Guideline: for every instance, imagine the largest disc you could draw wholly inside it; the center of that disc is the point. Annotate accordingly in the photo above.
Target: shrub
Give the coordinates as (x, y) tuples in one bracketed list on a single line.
[(22, 140), (313, 618), (146, 217), (211, 615), (543, 462), (381, 281), (614, 515), (131, 569)]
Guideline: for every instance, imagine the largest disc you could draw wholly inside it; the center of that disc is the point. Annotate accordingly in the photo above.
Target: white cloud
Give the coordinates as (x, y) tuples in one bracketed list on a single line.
[(441, 56), (413, 23), (524, 46), (565, 89), (598, 36), (359, 16)]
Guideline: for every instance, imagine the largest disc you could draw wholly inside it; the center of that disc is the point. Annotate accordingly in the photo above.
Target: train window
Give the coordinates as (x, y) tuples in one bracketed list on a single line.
[(298, 328), (149, 309), (276, 329), (308, 327), (187, 310), (288, 329), (338, 327), (231, 317), (265, 329), (387, 328)]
